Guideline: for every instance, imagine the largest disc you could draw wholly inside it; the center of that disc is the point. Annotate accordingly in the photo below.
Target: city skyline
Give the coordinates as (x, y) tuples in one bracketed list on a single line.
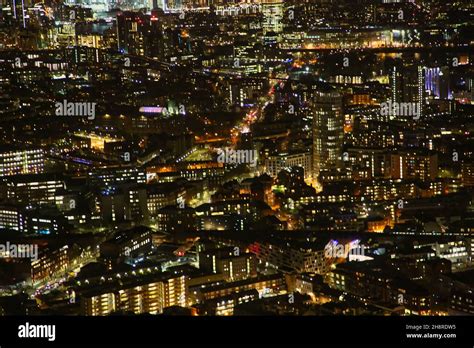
[(236, 158)]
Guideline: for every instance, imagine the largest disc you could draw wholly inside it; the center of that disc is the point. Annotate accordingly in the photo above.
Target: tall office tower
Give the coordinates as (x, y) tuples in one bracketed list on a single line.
[(19, 8), (416, 89), (396, 84), (437, 82), (273, 13), (140, 34), (328, 130), (407, 83), (470, 86), (129, 36)]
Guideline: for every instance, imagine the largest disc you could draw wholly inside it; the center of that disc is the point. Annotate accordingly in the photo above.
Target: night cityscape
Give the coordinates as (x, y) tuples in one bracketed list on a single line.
[(236, 158)]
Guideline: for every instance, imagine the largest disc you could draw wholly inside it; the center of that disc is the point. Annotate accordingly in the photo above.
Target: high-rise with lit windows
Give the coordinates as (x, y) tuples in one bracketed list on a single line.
[(328, 130)]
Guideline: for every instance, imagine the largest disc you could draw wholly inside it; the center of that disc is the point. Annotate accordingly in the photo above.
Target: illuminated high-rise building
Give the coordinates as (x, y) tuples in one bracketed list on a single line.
[(140, 34), (437, 82), (19, 8), (328, 130), (273, 13), (396, 84), (407, 84)]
